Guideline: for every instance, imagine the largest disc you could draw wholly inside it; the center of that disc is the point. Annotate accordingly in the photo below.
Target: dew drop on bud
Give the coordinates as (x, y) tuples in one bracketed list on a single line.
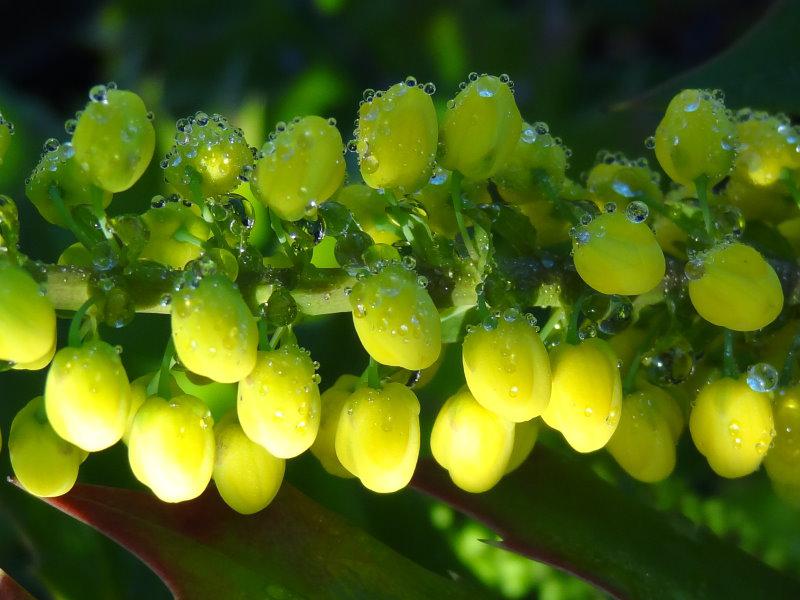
[(762, 377), (637, 211)]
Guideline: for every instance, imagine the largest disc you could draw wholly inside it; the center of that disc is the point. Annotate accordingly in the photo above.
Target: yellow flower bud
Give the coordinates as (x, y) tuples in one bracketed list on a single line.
[(167, 224), (732, 426), (644, 442), (525, 435), (209, 158), (171, 447), (536, 168), (279, 402), (435, 199), (396, 320), (695, 138), (58, 172), (471, 442), (378, 436), (481, 128), (507, 369), (300, 169), (783, 459), (114, 140), (27, 319), (75, 255), (621, 181), (766, 146), (733, 286), (333, 400), (88, 396), (586, 396), (616, 254), (44, 464), (246, 475), (396, 138), (214, 332), (369, 211)]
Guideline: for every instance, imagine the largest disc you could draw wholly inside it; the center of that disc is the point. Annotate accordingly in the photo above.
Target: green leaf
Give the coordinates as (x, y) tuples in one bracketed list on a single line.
[(554, 510), (758, 70), (453, 321), (11, 590), (292, 549)]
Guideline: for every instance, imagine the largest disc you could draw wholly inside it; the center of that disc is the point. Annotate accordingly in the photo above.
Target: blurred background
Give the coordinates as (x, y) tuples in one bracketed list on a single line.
[(586, 68)]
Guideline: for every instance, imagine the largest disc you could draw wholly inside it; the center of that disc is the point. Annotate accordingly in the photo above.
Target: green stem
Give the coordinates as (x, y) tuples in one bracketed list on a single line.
[(166, 364), (729, 366), (455, 194), (75, 337), (263, 335), (482, 309), (574, 317), (100, 212), (277, 228), (552, 323), (55, 196), (371, 374), (276, 337), (182, 235), (701, 184)]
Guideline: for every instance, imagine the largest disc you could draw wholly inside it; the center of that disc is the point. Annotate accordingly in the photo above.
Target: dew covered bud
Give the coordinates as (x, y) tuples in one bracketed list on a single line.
[(209, 157), (114, 140), (27, 320), (171, 447), (45, 464), (535, 169), (507, 369), (396, 319), (586, 396), (648, 430), (481, 128), (59, 173), (369, 211), (619, 180), (436, 202), (733, 286), (300, 168), (767, 146), (615, 254), (279, 401), (246, 475), (378, 436), (472, 443), (332, 402), (695, 138), (396, 138), (732, 426), (215, 333), (783, 459), (168, 242), (88, 396)]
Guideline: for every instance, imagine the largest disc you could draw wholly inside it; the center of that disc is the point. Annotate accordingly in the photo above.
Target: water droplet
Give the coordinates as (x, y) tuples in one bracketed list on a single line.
[(637, 211), (762, 377)]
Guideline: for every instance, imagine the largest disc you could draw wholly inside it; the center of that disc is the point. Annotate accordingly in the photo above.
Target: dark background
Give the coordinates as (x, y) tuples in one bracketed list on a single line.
[(575, 65)]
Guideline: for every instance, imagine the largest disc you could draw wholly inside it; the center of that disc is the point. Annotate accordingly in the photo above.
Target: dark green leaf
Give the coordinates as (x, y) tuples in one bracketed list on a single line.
[(554, 510), (293, 549)]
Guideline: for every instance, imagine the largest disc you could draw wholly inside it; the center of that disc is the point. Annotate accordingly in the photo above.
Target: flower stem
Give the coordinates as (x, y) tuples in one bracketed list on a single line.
[(75, 337), (729, 366), (166, 364), (455, 194), (701, 184)]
